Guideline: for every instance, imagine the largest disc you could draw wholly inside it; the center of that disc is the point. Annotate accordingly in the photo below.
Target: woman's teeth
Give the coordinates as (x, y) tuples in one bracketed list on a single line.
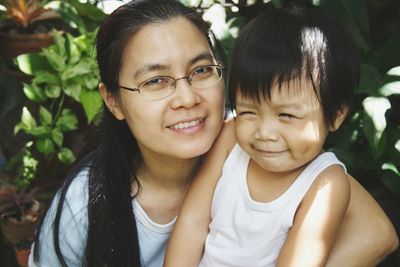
[(184, 125)]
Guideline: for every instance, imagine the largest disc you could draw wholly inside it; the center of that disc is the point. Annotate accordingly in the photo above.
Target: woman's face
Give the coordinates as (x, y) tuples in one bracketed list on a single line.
[(185, 124)]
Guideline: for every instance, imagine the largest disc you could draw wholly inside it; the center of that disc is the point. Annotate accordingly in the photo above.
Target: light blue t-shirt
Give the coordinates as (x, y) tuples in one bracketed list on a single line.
[(153, 237)]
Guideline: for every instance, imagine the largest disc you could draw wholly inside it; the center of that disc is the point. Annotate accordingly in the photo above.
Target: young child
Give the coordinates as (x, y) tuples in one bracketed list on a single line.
[(267, 194)]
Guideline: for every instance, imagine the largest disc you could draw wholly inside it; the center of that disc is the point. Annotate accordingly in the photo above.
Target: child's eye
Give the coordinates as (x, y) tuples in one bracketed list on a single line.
[(246, 113), (287, 116)]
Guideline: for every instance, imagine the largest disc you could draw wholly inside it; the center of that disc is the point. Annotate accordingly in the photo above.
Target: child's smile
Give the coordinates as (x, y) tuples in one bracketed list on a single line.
[(282, 133)]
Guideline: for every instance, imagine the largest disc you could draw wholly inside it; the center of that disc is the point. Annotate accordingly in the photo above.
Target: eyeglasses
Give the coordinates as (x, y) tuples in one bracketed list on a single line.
[(160, 87)]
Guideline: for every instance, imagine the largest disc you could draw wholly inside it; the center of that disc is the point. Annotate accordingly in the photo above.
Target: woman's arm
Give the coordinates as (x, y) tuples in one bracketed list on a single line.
[(317, 220), (194, 216), (366, 236)]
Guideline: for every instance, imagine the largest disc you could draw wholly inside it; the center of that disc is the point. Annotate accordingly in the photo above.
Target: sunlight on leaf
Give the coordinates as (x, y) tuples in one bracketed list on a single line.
[(394, 71), (390, 166), (376, 107), (390, 88)]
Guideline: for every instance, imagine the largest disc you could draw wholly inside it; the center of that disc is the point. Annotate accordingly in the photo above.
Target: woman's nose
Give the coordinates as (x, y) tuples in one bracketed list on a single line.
[(184, 95)]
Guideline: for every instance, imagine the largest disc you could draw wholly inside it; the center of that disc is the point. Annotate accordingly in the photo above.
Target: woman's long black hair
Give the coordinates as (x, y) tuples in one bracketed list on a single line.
[(114, 157)]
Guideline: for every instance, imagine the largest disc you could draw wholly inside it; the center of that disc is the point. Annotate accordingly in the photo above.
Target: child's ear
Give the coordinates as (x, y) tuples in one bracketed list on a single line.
[(111, 102), (341, 115)]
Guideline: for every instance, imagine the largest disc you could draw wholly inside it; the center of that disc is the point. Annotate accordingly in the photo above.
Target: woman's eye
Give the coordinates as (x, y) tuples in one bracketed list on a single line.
[(201, 71), (156, 83)]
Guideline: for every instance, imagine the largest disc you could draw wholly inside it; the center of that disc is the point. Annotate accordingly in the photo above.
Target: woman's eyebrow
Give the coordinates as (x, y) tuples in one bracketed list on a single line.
[(201, 56), (150, 67), (154, 67)]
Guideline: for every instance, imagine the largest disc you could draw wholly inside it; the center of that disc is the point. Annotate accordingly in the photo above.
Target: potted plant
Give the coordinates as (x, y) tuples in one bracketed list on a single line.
[(26, 26), (19, 209)]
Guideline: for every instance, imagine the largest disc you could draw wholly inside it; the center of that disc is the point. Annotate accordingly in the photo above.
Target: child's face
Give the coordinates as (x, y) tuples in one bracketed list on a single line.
[(283, 133)]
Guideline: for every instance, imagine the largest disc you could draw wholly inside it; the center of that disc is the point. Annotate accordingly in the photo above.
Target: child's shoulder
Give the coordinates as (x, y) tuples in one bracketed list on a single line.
[(333, 177)]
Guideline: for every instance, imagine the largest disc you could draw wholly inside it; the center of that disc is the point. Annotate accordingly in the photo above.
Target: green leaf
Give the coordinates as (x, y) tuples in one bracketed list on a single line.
[(390, 88), (88, 10), (73, 90), (56, 61), (370, 80), (53, 91), (57, 137), (91, 102), (45, 146), (34, 93), (32, 63), (374, 123), (41, 132), (91, 82), (46, 77), (27, 119), (72, 71), (74, 54), (354, 15), (59, 43), (67, 121), (45, 116), (66, 156)]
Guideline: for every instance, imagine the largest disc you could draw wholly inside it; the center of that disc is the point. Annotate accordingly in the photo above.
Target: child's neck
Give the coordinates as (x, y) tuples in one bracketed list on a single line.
[(265, 186)]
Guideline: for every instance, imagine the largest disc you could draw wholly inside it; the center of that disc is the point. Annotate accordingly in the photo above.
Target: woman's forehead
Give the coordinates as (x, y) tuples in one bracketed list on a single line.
[(175, 41)]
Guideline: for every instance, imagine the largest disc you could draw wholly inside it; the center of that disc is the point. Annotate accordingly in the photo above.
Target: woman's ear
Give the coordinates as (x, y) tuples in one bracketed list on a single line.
[(111, 102), (341, 115)]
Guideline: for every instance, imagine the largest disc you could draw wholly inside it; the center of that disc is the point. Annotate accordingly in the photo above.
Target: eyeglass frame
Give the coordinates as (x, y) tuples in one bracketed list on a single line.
[(175, 80)]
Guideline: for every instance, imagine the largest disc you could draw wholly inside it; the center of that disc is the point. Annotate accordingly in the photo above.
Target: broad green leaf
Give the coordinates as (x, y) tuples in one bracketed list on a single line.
[(55, 60), (34, 93), (27, 119), (390, 88), (354, 15), (45, 116), (67, 121), (45, 146), (91, 102), (66, 156), (46, 77), (91, 82), (57, 137), (74, 54), (32, 63), (79, 69), (53, 91), (41, 132), (59, 43), (88, 10), (370, 80), (394, 71), (73, 90), (374, 123)]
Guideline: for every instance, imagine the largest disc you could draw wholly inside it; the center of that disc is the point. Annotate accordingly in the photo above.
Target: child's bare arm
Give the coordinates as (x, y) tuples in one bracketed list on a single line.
[(186, 243), (317, 220)]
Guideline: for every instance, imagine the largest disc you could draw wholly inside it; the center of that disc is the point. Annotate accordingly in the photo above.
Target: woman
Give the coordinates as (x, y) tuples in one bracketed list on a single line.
[(163, 92)]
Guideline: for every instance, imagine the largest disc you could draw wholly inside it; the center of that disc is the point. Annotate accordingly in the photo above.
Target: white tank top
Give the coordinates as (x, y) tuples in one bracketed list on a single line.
[(247, 233)]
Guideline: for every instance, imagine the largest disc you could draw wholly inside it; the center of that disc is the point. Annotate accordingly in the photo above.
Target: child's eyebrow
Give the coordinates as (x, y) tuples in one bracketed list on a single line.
[(291, 105)]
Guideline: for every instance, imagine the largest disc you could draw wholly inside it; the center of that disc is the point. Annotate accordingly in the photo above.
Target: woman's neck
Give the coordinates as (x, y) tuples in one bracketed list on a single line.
[(163, 185)]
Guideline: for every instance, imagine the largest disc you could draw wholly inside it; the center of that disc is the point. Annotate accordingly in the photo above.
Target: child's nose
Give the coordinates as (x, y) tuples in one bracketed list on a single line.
[(267, 130)]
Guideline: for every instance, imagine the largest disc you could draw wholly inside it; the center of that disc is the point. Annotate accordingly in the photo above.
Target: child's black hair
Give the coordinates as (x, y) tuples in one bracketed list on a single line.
[(296, 43)]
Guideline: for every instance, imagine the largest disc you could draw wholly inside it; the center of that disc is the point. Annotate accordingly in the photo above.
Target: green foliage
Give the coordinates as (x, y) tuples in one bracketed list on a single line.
[(63, 72)]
